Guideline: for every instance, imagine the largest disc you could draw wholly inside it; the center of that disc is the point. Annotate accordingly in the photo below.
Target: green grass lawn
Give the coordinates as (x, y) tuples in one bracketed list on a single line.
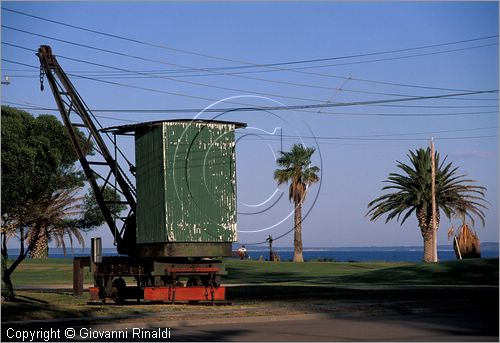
[(53, 271), (49, 272), (279, 287), (465, 272)]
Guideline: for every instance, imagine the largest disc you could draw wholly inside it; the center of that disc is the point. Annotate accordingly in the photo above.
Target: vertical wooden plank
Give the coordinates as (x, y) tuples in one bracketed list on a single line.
[(77, 276)]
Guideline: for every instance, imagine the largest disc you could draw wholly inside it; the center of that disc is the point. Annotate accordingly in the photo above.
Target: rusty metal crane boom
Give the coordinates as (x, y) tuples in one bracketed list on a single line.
[(103, 170)]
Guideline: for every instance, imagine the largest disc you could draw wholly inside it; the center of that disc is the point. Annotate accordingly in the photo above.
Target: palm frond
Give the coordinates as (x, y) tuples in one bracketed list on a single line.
[(297, 171)]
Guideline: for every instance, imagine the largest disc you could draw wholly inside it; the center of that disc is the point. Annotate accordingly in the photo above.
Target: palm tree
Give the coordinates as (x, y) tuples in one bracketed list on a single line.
[(412, 193), (298, 171), (34, 225), (54, 218), (63, 214)]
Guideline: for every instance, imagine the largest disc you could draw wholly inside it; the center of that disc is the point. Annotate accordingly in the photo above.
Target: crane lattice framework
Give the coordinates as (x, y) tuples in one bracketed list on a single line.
[(103, 170), (170, 244)]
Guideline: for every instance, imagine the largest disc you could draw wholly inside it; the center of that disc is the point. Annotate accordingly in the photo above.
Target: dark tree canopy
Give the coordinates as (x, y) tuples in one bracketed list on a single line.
[(39, 186), (37, 158), (93, 216)]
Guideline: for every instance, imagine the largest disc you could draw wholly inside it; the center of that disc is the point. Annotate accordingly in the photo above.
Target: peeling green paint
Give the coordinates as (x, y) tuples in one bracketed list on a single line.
[(186, 182)]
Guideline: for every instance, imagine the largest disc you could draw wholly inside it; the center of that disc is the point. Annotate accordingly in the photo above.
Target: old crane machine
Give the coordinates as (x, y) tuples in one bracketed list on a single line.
[(180, 213)]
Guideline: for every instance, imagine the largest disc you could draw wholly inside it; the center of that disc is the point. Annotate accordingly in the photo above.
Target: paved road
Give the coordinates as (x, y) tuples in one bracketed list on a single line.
[(395, 314), (325, 328), (306, 327)]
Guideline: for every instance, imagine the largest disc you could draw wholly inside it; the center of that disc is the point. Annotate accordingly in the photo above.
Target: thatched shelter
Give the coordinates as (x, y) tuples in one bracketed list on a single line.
[(465, 242)]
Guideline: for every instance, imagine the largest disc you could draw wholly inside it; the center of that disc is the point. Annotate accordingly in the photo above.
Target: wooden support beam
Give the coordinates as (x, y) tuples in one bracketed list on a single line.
[(78, 264)]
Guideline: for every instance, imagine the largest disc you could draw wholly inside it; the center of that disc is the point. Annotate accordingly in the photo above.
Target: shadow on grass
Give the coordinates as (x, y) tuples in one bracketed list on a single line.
[(26, 299), (24, 307), (486, 296), (466, 272)]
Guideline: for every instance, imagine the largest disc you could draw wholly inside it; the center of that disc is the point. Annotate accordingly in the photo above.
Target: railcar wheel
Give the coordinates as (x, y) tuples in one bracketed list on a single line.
[(118, 290), (193, 281)]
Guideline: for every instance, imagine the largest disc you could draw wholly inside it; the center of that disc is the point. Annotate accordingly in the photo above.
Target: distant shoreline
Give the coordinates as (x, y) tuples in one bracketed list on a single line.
[(331, 254), (484, 245)]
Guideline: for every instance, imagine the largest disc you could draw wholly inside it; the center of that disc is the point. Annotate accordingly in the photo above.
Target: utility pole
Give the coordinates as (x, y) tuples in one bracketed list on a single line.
[(270, 240), (434, 209), (281, 140)]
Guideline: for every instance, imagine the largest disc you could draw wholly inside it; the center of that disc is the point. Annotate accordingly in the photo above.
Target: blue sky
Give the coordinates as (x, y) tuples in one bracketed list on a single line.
[(363, 142)]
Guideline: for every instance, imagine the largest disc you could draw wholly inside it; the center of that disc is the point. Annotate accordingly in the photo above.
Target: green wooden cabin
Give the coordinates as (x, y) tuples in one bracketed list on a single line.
[(186, 187)]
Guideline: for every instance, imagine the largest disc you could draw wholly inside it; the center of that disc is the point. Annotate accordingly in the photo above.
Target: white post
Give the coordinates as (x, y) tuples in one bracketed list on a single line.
[(434, 209), (458, 247)]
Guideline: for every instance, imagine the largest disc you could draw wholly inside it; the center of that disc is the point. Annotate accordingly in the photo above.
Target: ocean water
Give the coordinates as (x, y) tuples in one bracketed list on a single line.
[(368, 254), (347, 254)]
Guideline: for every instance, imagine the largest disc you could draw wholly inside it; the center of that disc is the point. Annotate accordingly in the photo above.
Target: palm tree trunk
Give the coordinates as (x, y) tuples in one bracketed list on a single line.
[(428, 245), (425, 224), (39, 240), (297, 241)]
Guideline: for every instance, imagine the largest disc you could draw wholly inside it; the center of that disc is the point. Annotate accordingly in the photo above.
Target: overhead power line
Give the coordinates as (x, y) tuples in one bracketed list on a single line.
[(193, 82), (273, 66), (27, 106), (220, 110), (111, 77), (213, 71), (340, 138), (144, 111), (290, 107), (122, 75), (385, 134), (268, 136), (164, 78), (248, 64), (396, 58), (442, 106)]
